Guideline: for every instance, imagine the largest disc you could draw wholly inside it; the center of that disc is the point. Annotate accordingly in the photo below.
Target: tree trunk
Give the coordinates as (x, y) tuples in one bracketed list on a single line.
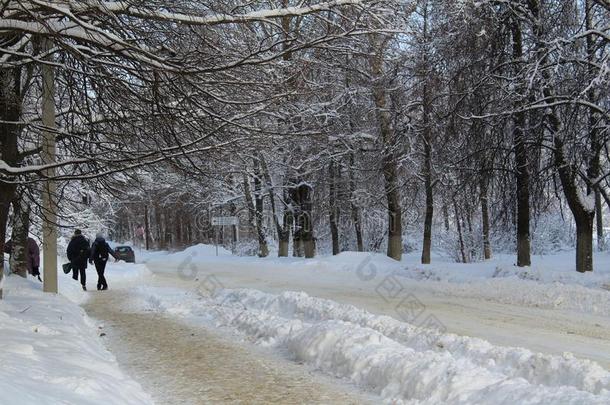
[(583, 216), (471, 252), (333, 208), (521, 168), (10, 112), (282, 229), (284, 237), (176, 235), (427, 245), (255, 219), (234, 228), (3, 225), (485, 217), (297, 239), (297, 234), (168, 232), (158, 227), (600, 222), (584, 243), (582, 210), (19, 236), (388, 140), (427, 144), (146, 227), (305, 220), (259, 214), (596, 144), (394, 212), (446, 216), (460, 233), (390, 174), (7, 193), (355, 210), (427, 139)]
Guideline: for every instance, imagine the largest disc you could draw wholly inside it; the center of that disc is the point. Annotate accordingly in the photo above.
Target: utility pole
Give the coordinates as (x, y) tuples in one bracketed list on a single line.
[(49, 203)]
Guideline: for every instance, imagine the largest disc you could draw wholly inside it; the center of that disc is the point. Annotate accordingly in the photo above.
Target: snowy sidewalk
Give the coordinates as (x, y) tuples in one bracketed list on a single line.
[(50, 353), (182, 364)]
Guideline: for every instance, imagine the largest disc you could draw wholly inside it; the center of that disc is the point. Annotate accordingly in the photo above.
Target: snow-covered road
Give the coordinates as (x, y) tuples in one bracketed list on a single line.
[(462, 309), (329, 329), (400, 363)]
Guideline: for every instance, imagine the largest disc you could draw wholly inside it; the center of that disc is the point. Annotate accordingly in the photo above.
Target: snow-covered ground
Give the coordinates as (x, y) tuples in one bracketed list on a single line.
[(551, 282), (385, 326), (480, 299), (485, 333), (400, 362), (52, 352)]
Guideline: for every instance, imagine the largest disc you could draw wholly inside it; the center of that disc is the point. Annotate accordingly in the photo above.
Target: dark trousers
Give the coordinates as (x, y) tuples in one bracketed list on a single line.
[(80, 268), (100, 266)]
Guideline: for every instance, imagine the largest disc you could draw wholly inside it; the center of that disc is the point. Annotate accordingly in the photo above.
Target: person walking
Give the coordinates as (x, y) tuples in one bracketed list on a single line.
[(78, 251), (100, 251)]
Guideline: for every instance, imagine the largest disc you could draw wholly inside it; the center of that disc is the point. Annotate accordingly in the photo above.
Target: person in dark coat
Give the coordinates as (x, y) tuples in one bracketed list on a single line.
[(100, 251), (78, 252), (32, 256)]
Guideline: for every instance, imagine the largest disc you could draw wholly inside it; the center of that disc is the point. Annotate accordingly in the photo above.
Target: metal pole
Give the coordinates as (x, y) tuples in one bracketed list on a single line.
[(49, 203)]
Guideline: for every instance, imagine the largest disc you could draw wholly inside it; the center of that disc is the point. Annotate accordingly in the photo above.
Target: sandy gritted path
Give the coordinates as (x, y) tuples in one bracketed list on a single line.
[(180, 364)]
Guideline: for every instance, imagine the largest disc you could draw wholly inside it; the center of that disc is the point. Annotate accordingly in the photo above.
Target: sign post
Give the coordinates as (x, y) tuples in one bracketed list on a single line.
[(223, 221)]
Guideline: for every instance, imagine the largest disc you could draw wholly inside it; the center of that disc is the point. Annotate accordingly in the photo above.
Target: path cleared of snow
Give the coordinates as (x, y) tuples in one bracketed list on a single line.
[(51, 352), (395, 360), (185, 364)]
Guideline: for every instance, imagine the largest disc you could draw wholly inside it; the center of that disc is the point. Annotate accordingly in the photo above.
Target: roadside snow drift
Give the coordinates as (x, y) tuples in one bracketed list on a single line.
[(51, 353), (551, 282), (396, 360)]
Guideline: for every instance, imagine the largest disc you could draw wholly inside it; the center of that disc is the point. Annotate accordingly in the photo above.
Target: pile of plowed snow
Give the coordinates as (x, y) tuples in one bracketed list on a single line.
[(395, 360)]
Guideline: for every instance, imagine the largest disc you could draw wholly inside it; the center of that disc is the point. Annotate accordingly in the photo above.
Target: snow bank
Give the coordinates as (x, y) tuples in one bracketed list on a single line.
[(528, 293), (547, 269), (550, 283), (51, 353), (194, 253), (204, 256), (396, 360)]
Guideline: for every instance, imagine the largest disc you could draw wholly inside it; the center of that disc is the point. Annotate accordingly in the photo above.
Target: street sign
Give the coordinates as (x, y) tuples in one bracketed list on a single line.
[(225, 221), (222, 221)]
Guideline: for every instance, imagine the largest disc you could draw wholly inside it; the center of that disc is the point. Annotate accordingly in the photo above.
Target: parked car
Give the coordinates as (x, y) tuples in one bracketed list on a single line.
[(125, 253)]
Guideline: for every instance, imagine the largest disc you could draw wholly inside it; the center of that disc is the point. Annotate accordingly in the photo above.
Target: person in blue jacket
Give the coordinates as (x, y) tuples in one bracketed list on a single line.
[(100, 251)]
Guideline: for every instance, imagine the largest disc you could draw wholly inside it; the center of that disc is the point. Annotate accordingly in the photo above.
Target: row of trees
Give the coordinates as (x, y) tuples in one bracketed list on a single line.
[(492, 114), (316, 121), (91, 89)]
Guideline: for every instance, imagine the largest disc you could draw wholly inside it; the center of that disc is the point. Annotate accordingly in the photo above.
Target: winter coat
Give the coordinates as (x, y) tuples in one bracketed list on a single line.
[(100, 250), (78, 251), (32, 254)]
